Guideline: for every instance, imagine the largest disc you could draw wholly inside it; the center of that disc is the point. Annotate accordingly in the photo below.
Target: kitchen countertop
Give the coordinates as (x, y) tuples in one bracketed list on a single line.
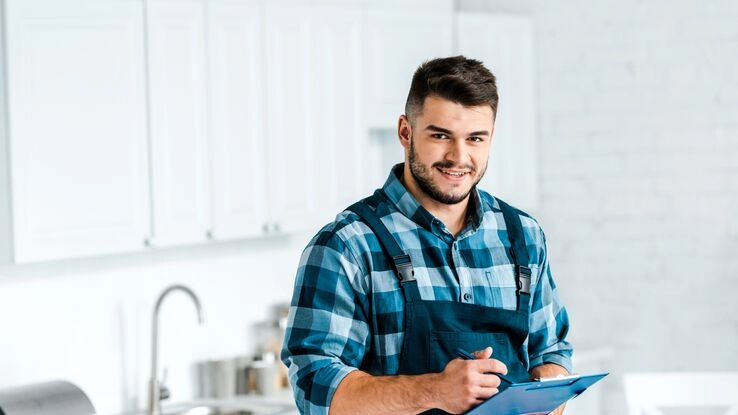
[(281, 403)]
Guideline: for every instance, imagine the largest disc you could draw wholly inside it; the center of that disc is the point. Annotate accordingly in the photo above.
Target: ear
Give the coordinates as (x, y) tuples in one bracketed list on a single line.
[(404, 131)]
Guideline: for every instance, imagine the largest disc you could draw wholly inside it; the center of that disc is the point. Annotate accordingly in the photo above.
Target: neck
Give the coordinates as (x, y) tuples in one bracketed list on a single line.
[(453, 216), (454, 221)]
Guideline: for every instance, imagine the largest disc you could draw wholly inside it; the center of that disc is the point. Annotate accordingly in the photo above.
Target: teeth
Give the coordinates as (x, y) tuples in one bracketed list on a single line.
[(455, 174)]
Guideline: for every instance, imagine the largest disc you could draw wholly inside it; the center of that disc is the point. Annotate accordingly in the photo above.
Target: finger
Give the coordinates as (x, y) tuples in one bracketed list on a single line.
[(485, 392), (484, 353), (492, 365), (489, 380)]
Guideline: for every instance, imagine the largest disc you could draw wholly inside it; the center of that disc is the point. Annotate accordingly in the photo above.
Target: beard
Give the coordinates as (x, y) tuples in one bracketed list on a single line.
[(422, 176)]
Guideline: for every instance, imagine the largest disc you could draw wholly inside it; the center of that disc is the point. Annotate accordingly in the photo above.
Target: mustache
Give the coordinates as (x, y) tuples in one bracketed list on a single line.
[(451, 164)]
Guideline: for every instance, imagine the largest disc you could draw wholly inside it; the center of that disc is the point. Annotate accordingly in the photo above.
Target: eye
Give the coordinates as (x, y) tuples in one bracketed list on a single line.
[(476, 139), (440, 136)]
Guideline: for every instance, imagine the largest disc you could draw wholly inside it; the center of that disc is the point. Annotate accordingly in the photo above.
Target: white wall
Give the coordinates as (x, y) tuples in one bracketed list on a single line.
[(89, 321), (638, 116), (638, 128)]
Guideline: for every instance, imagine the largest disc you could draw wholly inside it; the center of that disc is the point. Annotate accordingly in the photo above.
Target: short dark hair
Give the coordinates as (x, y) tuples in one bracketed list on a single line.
[(459, 79)]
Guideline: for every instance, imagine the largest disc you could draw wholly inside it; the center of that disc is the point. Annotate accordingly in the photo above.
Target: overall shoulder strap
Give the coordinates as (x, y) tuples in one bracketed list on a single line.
[(519, 251), (401, 260)]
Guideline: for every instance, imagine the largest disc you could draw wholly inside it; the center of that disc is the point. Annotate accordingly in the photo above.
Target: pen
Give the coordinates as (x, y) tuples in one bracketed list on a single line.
[(468, 356)]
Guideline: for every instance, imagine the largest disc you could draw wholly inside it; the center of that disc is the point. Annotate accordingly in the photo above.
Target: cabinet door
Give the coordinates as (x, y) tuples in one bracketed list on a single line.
[(315, 121), (180, 157), (504, 44), (76, 97), (340, 126), (398, 42), (235, 57)]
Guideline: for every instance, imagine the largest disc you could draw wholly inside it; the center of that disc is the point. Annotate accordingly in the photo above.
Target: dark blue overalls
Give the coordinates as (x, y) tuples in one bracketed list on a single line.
[(435, 329)]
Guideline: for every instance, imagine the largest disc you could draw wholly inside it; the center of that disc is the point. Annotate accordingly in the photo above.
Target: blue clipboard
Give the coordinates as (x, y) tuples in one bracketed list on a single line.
[(535, 398)]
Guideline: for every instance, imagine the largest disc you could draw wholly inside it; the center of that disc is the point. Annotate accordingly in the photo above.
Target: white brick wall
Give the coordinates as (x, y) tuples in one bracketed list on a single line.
[(639, 147)]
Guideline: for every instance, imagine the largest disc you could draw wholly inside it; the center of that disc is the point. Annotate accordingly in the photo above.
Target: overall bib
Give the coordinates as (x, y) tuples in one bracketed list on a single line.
[(435, 329)]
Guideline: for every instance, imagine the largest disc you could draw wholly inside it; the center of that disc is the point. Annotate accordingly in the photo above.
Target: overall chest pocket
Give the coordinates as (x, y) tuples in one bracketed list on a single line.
[(494, 286)]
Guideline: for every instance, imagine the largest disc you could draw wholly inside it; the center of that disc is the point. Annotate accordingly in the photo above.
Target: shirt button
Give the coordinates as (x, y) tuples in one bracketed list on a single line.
[(467, 297)]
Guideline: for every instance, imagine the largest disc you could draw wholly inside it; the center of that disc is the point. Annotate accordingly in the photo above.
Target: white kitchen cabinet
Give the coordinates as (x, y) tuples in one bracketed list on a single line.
[(76, 130), (400, 38), (180, 151), (171, 122), (505, 44), (237, 98), (316, 128), (278, 108), (340, 126)]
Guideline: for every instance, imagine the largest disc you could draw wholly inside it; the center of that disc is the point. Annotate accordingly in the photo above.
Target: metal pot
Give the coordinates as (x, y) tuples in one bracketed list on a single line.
[(48, 398), (215, 378)]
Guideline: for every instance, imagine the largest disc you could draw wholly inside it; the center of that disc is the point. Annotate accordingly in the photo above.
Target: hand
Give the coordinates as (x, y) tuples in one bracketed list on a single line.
[(465, 383), (559, 410), (549, 370)]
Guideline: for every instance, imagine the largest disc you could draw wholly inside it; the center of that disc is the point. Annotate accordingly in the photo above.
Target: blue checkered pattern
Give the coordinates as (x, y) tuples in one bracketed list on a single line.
[(347, 311)]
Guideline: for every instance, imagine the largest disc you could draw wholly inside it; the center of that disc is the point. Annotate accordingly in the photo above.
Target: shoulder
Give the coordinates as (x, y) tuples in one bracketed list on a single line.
[(494, 205), (348, 232), (346, 228), (349, 225), (347, 246)]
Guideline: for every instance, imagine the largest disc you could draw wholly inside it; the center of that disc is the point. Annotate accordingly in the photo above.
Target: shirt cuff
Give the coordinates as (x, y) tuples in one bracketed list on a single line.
[(556, 358), (338, 378)]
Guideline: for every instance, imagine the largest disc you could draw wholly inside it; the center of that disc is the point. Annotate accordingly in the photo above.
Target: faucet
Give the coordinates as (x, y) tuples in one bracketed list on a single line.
[(157, 392)]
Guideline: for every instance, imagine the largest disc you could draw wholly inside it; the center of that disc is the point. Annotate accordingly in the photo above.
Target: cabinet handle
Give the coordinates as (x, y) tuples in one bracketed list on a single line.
[(271, 227), (209, 234), (147, 241)]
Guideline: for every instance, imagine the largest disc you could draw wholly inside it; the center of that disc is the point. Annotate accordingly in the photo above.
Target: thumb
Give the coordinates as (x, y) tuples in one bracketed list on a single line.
[(485, 353)]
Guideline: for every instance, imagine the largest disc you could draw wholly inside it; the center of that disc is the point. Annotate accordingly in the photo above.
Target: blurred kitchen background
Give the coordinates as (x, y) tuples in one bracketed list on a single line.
[(146, 143)]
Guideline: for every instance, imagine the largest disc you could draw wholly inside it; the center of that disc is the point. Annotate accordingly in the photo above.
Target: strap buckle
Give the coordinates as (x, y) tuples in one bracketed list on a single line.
[(404, 267), (523, 276)]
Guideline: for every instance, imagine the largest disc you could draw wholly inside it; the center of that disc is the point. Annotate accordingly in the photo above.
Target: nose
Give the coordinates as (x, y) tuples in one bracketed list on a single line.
[(457, 152)]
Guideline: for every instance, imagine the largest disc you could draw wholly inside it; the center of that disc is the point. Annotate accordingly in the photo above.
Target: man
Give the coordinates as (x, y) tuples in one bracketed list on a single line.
[(371, 331)]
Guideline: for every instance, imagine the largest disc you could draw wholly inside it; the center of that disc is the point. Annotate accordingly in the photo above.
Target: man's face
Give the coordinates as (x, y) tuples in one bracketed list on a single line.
[(447, 150)]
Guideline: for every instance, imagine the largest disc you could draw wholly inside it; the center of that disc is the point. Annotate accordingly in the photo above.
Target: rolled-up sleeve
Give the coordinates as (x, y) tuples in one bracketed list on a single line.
[(549, 321), (327, 331)]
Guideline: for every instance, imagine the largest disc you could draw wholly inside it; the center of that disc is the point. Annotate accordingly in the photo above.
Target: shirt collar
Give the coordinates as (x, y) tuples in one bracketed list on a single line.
[(406, 203)]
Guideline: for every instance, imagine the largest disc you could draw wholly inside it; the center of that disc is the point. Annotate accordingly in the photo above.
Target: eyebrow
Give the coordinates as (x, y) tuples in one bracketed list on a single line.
[(445, 131)]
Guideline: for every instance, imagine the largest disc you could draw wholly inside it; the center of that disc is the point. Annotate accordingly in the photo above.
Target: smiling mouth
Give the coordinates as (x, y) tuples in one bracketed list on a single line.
[(456, 174)]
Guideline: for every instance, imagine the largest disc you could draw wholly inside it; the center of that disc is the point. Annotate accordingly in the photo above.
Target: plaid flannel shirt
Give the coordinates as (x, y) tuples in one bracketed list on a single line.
[(347, 310)]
